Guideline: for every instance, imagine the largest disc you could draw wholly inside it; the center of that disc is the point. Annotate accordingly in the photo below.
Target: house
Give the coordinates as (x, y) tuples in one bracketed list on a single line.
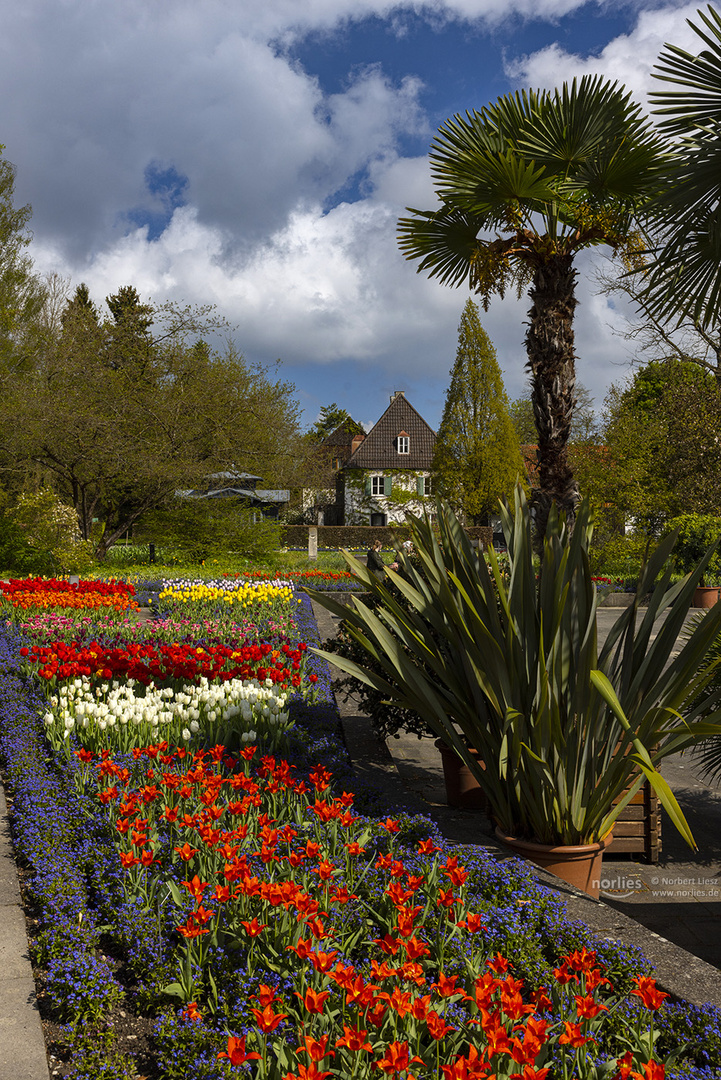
[(241, 485), (387, 472)]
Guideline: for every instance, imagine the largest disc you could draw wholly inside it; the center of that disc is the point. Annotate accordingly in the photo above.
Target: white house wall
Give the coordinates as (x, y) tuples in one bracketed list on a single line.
[(359, 507)]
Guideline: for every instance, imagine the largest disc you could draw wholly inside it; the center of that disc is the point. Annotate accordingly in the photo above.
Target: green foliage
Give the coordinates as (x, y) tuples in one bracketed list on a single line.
[(21, 292), (41, 535), (121, 419), (331, 417), (696, 533), (16, 555), (202, 529), (513, 670), (651, 383), (387, 717), (619, 555), (685, 276), (477, 456), (97, 1057), (524, 423), (662, 434)]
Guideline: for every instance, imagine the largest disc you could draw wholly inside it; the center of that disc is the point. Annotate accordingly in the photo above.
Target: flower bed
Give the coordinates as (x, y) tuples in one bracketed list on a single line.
[(146, 662), (30, 593), (323, 580), (269, 926)]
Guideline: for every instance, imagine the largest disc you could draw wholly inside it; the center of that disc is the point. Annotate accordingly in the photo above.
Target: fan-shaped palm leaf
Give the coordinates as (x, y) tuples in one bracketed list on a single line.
[(445, 241), (575, 122), (699, 103), (685, 277), (487, 185)]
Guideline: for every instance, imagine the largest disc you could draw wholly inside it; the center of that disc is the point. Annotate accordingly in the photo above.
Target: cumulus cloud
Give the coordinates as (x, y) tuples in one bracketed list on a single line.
[(629, 58), (181, 148)]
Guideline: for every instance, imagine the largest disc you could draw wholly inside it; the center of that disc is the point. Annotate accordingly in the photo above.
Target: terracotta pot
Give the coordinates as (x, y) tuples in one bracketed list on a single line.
[(462, 789), (579, 865), (705, 596)]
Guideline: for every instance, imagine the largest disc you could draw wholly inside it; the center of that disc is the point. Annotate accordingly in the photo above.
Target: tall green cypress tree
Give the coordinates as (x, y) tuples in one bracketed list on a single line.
[(477, 458)]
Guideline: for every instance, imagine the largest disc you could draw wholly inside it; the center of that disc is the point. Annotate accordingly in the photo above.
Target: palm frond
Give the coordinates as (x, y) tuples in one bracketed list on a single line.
[(445, 241), (686, 277), (487, 184), (709, 758), (698, 103), (573, 122), (595, 139)]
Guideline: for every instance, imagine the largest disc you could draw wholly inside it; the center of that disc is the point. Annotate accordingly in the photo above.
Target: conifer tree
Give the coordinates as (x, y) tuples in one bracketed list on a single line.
[(477, 458), (22, 294)]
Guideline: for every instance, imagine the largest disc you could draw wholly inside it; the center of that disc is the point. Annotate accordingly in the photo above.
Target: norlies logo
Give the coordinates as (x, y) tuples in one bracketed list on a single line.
[(621, 887)]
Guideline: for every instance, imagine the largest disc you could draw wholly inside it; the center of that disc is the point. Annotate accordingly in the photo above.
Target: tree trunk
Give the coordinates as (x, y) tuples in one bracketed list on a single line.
[(551, 364)]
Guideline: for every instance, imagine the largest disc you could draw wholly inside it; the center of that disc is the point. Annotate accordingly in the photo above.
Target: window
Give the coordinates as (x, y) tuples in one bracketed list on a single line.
[(428, 485), (404, 444), (377, 485)]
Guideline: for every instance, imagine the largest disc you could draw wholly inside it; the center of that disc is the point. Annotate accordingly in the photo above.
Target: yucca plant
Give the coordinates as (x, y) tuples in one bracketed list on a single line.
[(510, 666)]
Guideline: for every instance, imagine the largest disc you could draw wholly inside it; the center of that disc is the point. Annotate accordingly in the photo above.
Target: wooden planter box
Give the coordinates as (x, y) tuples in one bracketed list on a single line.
[(638, 830)]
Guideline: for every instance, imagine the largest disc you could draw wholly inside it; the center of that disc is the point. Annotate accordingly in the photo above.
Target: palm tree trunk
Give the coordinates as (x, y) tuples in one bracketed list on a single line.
[(551, 364)]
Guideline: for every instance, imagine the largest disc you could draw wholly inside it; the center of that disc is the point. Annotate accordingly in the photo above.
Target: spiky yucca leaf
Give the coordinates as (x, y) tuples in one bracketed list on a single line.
[(513, 670)]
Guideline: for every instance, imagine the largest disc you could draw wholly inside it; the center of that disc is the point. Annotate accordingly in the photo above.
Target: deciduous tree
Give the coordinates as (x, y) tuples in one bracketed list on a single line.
[(662, 439), (122, 419)]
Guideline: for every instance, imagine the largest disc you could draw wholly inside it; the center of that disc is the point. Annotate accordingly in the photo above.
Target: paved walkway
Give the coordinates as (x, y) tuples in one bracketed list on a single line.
[(671, 911), (22, 1045)]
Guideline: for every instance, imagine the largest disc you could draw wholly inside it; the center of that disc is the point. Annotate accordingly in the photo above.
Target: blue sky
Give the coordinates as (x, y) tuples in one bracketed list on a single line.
[(257, 157)]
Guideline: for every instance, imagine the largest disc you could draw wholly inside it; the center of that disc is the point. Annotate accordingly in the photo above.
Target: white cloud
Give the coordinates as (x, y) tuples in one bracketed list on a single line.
[(628, 58), (293, 193)]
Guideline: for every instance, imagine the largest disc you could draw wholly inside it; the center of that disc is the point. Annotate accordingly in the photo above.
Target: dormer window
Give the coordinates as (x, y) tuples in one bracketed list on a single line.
[(403, 443)]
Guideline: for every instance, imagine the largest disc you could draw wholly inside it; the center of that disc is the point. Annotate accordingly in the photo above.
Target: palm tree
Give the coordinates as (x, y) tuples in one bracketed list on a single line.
[(685, 278), (524, 185)]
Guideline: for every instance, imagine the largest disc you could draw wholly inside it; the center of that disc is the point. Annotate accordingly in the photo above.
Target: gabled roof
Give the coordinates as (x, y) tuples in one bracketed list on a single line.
[(269, 495), (343, 434), (233, 476), (379, 448)]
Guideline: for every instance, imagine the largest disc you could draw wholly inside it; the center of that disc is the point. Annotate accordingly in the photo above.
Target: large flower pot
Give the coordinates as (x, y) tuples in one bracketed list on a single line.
[(705, 596), (578, 865), (462, 789)]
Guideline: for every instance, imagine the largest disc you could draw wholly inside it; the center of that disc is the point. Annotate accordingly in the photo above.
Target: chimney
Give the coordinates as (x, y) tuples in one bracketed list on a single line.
[(357, 440), (397, 393)]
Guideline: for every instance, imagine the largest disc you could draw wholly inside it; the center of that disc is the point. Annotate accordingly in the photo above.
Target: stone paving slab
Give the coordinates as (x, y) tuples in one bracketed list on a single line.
[(22, 1044)]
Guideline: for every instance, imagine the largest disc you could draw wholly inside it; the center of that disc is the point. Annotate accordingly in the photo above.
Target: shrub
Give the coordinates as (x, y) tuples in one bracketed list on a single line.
[(620, 556), (40, 535), (208, 528), (696, 533)]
